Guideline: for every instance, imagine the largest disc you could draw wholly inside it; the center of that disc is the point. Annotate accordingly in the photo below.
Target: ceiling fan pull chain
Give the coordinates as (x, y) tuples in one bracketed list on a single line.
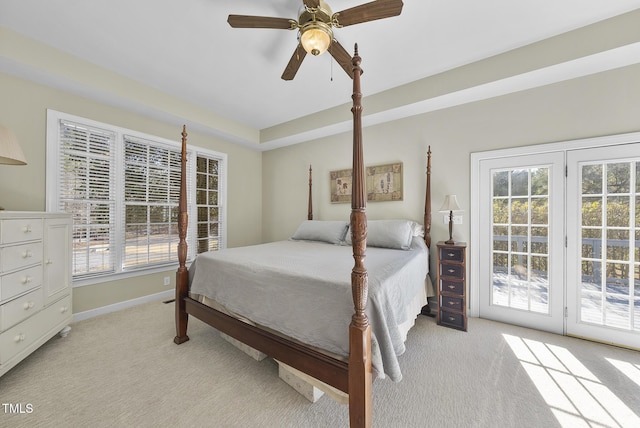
[(331, 66)]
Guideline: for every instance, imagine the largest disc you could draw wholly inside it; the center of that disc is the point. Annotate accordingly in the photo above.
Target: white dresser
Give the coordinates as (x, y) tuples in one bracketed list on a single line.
[(35, 282)]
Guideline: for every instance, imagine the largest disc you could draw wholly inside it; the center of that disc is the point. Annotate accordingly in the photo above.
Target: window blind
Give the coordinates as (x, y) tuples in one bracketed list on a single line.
[(86, 172), (151, 190), (122, 189)]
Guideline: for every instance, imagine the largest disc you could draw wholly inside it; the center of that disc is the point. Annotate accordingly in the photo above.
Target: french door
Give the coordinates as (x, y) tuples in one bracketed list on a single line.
[(603, 273), (521, 235), (560, 251)]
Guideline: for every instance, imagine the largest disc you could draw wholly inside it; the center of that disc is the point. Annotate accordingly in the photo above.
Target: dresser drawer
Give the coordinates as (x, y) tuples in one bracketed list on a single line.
[(454, 303), (452, 319), (453, 287), (19, 282), (20, 230), (452, 271), (19, 309), (39, 327), (452, 254), (19, 256)]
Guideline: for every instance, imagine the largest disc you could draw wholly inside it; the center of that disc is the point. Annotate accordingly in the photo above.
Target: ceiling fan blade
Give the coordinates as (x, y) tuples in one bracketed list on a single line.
[(245, 21), (342, 57), (371, 11), (311, 3), (294, 63)]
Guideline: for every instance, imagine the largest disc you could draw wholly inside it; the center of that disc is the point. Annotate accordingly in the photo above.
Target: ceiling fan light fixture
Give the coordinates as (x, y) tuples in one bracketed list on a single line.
[(316, 37)]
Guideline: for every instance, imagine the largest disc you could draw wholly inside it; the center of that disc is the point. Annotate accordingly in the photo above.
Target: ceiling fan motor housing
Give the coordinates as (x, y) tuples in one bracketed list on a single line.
[(322, 13)]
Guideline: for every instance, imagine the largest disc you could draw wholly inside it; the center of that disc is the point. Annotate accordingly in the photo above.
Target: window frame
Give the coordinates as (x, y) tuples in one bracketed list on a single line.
[(52, 192)]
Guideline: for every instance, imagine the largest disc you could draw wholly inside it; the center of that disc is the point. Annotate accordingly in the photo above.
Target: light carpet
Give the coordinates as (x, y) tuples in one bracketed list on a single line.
[(123, 369)]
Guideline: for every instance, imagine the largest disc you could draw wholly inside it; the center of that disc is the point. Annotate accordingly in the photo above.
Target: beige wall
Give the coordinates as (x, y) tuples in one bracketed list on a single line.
[(23, 106), (602, 104), (267, 196), (599, 104)]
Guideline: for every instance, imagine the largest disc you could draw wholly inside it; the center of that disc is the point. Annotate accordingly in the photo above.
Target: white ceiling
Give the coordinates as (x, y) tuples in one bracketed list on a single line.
[(186, 48)]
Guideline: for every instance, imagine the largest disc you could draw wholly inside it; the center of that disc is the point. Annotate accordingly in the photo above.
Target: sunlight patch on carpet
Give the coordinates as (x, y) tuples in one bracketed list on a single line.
[(574, 394)]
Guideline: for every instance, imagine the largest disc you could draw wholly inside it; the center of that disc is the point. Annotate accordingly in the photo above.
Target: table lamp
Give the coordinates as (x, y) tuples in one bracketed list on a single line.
[(10, 151), (450, 204)]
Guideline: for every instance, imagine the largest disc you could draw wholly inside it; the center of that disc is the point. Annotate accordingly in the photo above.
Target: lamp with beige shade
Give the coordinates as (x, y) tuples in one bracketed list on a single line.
[(10, 151)]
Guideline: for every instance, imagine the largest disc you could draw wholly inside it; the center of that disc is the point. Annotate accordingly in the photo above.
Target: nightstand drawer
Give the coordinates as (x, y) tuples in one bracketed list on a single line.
[(452, 254), (452, 271), (453, 287), (454, 303), (452, 319)]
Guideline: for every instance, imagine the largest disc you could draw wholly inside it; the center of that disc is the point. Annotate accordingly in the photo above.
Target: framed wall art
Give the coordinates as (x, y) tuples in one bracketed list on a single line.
[(384, 183), (340, 182)]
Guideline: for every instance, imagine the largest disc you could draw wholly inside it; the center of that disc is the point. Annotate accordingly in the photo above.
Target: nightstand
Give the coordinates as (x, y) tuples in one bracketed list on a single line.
[(452, 285)]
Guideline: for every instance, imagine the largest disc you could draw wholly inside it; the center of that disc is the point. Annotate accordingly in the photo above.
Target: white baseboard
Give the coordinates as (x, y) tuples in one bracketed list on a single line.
[(169, 294)]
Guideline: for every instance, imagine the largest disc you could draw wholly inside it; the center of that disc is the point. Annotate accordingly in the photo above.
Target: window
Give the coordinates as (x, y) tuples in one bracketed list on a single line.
[(121, 188)]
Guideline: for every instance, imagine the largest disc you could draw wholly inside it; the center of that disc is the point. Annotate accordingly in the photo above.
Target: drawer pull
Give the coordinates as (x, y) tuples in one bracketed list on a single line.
[(452, 303), (26, 229), (27, 305), (27, 254), (452, 319), (451, 270), (26, 280), (49, 262), (18, 338), (451, 254), (63, 309), (452, 286)]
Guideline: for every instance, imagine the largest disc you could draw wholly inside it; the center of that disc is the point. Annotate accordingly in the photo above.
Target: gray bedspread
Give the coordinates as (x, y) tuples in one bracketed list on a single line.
[(303, 289)]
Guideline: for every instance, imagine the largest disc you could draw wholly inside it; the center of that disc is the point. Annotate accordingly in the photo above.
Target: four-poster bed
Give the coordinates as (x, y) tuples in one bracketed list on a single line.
[(352, 374)]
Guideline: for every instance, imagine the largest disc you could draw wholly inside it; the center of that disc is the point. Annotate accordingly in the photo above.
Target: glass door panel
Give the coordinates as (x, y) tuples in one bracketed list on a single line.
[(525, 282), (604, 258)]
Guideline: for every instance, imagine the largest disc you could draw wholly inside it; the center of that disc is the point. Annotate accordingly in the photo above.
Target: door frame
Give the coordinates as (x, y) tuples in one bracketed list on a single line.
[(553, 320), (473, 285), (575, 326)]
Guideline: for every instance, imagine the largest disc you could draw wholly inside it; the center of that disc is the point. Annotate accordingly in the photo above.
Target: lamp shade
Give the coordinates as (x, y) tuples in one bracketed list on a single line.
[(316, 37), (450, 204), (10, 151)]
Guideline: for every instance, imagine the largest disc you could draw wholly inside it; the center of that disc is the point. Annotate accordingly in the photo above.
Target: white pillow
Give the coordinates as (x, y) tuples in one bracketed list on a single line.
[(325, 231), (396, 234), (418, 229)]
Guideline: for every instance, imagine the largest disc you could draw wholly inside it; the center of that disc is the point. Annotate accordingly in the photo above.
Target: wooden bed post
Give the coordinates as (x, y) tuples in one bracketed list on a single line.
[(426, 309), (427, 203), (310, 213), (360, 376), (182, 275)]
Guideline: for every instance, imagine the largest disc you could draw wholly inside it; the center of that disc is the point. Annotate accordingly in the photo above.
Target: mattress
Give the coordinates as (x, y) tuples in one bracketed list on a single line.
[(302, 289)]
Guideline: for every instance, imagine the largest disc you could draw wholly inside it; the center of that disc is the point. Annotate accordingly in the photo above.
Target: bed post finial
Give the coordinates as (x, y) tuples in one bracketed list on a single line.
[(182, 275)]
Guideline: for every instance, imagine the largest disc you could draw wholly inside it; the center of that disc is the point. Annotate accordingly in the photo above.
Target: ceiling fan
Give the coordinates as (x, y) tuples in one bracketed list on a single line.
[(315, 25)]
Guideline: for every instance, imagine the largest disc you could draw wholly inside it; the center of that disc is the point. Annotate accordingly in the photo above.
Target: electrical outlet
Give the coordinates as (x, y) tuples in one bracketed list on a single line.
[(167, 280), (457, 219)]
